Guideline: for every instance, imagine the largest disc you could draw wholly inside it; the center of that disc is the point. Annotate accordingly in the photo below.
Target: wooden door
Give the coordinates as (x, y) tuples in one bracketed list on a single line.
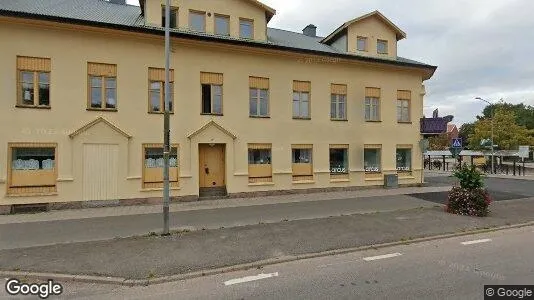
[(100, 171), (211, 165)]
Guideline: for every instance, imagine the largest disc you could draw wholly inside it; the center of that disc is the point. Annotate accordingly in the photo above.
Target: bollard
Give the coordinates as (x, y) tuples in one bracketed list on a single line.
[(507, 169), (514, 167)]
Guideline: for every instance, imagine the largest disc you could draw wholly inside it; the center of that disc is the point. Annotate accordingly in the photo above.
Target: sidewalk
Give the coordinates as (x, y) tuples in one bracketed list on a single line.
[(150, 257), (96, 224)]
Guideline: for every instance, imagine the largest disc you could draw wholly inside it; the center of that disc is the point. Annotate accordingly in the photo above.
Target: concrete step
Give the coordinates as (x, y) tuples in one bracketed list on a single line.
[(214, 193)]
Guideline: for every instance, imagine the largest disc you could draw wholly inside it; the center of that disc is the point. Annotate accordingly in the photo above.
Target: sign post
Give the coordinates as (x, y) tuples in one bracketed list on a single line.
[(423, 144), (524, 153)]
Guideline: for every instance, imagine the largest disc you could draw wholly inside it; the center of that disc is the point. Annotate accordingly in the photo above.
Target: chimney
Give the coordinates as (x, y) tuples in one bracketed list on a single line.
[(121, 2), (310, 30)]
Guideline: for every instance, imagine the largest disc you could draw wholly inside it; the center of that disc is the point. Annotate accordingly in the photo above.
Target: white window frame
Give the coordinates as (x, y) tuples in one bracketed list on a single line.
[(301, 102), (336, 99), (373, 105), (258, 99)]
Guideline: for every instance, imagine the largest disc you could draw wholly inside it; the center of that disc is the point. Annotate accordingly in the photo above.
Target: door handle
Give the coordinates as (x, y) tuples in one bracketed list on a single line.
[(207, 170)]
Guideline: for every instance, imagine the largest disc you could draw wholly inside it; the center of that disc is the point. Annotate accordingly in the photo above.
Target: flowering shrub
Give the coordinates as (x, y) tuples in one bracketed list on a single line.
[(470, 198)]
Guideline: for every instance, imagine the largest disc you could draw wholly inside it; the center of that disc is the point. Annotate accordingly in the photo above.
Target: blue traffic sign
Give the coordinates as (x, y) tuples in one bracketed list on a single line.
[(457, 143)]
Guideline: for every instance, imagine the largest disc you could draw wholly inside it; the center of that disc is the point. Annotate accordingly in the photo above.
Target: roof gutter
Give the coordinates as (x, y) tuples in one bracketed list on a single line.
[(429, 68)]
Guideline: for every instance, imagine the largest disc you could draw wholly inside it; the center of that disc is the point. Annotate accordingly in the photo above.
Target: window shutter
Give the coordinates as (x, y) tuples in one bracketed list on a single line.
[(259, 146), (372, 92), (158, 74), (373, 146), (339, 146), (404, 95), (34, 64), (259, 83), (106, 70), (338, 89), (299, 146), (211, 78), (301, 86)]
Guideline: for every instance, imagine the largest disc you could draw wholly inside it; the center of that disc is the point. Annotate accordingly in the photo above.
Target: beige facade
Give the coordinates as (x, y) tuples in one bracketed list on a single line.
[(100, 153)]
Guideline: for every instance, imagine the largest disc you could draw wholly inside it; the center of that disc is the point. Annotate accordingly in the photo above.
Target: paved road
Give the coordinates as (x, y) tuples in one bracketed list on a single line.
[(512, 186), (442, 269), (28, 234)]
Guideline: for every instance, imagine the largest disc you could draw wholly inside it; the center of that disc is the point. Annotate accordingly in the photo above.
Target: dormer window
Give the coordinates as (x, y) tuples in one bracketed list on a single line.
[(173, 19), (246, 29), (197, 21), (362, 43), (382, 46), (222, 25)]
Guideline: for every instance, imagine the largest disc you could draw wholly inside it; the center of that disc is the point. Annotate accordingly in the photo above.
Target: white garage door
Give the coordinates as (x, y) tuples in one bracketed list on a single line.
[(100, 171)]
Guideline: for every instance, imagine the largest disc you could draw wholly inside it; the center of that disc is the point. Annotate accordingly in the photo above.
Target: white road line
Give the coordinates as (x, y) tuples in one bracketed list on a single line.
[(371, 258), (250, 278), (476, 242)]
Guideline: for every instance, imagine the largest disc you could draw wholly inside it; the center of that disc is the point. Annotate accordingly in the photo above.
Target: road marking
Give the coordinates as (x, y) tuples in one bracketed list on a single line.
[(371, 258), (476, 242), (250, 278)]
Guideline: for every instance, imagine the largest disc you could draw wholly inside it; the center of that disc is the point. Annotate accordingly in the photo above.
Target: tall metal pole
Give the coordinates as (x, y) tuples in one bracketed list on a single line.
[(492, 135), (166, 121)]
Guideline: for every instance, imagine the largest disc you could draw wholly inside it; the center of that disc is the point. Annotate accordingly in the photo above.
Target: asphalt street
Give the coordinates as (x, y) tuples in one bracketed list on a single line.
[(524, 188), (455, 268)]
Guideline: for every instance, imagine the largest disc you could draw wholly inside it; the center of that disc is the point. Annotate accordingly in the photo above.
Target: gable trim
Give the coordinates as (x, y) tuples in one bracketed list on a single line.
[(212, 123), (95, 122)]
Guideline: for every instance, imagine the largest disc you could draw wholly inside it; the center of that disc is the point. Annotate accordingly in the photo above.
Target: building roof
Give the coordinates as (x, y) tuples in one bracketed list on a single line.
[(100, 13), (451, 127), (400, 34)]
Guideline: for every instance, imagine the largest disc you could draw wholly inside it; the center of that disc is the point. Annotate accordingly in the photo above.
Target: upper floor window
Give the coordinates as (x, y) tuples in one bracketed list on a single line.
[(338, 102), (102, 86), (197, 21), (372, 104), (361, 43), (403, 106), (246, 28), (33, 75), (259, 96), (173, 23), (222, 25), (156, 90), (382, 46), (212, 93), (301, 99)]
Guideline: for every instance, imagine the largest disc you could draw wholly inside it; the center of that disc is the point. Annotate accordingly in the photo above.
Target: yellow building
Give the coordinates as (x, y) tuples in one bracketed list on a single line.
[(255, 110)]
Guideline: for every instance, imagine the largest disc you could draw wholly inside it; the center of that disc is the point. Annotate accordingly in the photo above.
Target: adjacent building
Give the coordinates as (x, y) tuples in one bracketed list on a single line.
[(254, 109)]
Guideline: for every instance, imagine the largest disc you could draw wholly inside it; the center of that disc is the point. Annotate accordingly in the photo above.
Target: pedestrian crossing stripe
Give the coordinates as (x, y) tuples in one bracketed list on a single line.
[(457, 143)]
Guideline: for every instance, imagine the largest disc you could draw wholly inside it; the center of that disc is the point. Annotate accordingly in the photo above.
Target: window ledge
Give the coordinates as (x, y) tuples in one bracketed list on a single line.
[(160, 112), (65, 179), (374, 179), (339, 120), (297, 118), (160, 189), (8, 195), (261, 183), (404, 122), (406, 177), (260, 117), (339, 180), (373, 121), (102, 109), (210, 114), (33, 106), (304, 182)]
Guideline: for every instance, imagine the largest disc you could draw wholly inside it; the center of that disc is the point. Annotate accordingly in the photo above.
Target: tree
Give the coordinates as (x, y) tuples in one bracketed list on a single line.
[(508, 135), (524, 115), (466, 130), (438, 142)]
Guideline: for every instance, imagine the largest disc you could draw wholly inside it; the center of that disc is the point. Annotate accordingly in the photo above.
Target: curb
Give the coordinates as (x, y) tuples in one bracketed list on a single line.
[(241, 267)]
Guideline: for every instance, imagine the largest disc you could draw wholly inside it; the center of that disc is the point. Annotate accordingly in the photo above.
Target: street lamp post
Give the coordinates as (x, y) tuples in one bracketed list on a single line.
[(492, 141), (166, 121)]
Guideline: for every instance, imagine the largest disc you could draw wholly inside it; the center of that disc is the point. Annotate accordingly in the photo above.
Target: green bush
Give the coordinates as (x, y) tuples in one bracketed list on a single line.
[(469, 177)]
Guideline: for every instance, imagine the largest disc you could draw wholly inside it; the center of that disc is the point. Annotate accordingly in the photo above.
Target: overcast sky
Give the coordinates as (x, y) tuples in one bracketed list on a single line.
[(482, 48)]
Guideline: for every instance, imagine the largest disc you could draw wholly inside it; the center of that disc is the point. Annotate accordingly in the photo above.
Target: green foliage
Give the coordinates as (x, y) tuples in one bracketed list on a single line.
[(438, 142), (524, 115), (468, 202), (466, 130), (469, 177), (507, 134)]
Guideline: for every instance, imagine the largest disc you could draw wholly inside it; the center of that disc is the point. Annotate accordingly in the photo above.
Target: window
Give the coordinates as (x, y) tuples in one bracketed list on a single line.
[(403, 106), (339, 161), (246, 29), (102, 86), (338, 102), (197, 21), (33, 82), (372, 104), (404, 159), (173, 19), (361, 43), (372, 159), (382, 46), (301, 99), (259, 97), (32, 168), (212, 93), (302, 165), (259, 163), (154, 163), (156, 90), (222, 25)]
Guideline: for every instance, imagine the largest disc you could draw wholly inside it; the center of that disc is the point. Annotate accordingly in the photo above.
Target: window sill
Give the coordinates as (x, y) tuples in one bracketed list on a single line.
[(209, 114), (159, 189), (339, 120), (373, 121), (160, 112), (404, 122), (304, 182), (33, 106), (374, 179), (297, 118), (260, 117), (261, 183), (102, 109), (8, 195), (406, 177), (339, 180)]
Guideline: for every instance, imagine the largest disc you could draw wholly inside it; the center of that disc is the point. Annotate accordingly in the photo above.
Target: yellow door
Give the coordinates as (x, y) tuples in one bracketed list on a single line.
[(211, 165), (100, 172)]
